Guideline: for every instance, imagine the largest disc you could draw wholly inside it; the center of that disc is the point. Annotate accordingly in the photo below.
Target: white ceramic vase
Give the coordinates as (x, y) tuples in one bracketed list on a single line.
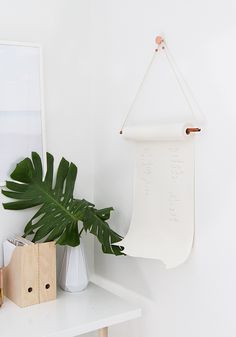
[(73, 275)]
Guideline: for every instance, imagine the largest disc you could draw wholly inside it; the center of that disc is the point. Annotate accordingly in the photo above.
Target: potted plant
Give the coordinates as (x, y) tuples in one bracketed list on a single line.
[(60, 217)]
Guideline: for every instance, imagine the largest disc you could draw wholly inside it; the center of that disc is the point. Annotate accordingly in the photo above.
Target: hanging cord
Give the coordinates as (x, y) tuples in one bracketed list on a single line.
[(139, 89), (180, 78), (162, 45), (176, 75)]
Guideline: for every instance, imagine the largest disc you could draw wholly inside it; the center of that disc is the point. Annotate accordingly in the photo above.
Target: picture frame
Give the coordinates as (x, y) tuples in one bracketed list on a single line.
[(22, 115)]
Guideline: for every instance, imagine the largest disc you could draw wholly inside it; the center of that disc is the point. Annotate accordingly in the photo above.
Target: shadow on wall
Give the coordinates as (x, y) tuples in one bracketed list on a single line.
[(145, 277)]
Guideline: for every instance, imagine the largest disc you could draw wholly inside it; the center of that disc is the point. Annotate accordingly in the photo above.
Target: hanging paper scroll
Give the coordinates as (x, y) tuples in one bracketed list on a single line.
[(162, 222)]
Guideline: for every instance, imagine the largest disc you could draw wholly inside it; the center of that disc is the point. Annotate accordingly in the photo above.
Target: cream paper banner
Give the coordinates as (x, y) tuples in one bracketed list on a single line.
[(162, 223)]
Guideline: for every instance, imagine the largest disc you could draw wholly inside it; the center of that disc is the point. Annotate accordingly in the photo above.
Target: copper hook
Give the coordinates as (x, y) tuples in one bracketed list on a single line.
[(189, 130), (159, 40)]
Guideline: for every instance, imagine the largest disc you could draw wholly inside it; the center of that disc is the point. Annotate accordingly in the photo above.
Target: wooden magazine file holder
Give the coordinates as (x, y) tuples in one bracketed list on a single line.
[(30, 277)]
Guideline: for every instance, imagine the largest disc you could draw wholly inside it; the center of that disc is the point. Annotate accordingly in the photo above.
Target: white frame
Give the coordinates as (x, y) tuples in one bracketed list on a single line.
[(42, 107)]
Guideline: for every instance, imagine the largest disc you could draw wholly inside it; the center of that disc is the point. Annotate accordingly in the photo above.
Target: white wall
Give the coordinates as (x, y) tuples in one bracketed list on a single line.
[(197, 298), (61, 27)]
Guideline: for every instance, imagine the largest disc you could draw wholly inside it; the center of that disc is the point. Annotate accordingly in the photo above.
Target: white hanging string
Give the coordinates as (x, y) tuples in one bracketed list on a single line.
[(176, 75), (185, 83), (139, 88), (179, 78)]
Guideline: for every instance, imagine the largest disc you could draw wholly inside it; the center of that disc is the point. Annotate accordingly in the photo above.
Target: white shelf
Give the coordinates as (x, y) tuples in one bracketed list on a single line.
[(70, 315)]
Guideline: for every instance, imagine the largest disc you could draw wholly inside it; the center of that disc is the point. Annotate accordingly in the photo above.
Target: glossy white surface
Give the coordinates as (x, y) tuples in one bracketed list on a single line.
[(72, 314), (73, 274)]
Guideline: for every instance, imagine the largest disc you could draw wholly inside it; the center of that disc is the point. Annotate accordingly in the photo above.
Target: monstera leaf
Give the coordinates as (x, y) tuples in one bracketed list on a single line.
[(60, 216)]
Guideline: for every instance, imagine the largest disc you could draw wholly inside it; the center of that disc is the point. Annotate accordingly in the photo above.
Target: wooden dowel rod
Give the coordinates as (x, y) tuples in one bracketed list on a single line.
[(188, 130), (103, 332)]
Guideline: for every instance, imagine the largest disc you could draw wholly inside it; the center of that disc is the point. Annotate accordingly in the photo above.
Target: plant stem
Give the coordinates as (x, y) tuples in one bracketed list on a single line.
[(81, 231)]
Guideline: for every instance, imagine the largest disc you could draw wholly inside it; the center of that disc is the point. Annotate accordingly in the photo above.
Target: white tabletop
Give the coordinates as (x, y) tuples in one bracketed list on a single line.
[(70, 315)]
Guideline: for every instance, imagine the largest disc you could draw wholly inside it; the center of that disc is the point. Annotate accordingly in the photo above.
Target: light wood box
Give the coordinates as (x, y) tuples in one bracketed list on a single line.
[(30, 277)]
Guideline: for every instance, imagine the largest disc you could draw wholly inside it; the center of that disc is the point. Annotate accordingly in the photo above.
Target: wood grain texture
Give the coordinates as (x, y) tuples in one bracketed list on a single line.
[(30, 277), (103, 332), (47, 271), (21, 276)]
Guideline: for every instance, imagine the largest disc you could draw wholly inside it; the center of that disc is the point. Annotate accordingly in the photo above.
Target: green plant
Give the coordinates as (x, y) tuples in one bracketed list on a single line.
[(60, 217)]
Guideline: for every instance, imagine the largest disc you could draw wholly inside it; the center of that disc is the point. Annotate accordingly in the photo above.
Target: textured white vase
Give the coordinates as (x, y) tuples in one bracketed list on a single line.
[(73, 275)]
